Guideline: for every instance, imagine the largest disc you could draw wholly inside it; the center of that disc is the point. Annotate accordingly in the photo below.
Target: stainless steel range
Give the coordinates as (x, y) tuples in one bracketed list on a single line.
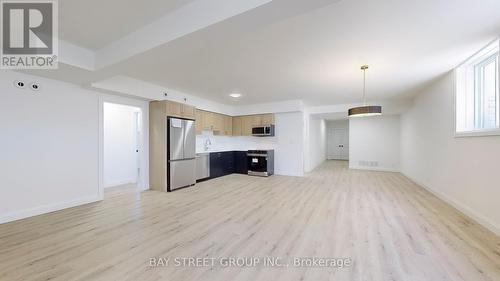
[(260, 162)]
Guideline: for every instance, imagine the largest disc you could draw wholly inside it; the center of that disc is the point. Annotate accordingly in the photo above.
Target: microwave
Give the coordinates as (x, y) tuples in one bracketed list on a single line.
[(263, 131)]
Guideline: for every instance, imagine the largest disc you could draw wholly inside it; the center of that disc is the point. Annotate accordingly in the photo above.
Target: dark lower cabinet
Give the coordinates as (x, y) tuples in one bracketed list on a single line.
[(228, 167), (240, 162), (216, 165), (228, 162), (221, 163)]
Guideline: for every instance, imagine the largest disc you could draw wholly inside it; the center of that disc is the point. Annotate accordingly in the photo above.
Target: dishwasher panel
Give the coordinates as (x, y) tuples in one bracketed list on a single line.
[(202, 166)]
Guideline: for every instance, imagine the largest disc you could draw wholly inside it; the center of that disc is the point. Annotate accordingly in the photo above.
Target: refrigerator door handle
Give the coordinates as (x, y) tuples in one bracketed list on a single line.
[(177, 160), (176, 135), (189, 139), (183, 140)]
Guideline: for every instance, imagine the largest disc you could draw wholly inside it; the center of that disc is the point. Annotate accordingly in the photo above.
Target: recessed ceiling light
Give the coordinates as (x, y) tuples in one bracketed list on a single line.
[(235, 95)]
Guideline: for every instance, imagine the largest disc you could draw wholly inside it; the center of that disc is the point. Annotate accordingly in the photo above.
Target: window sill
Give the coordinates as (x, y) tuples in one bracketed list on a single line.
[(481, 133)]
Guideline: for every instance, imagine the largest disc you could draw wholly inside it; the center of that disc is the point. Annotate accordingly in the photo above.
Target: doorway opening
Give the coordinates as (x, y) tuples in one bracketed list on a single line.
[(338, 140), (122, 146)]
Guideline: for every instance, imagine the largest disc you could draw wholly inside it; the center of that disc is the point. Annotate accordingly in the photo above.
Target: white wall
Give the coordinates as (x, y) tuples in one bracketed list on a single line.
[(49, 143), (287, 144), (374, 143), (120, 142), (315, 146), (463, 171), (338, 124), (289, 153), (269, 107)]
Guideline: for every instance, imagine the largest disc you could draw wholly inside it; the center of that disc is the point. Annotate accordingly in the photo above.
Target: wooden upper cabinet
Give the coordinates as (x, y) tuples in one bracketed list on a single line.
[(256, 120), (225, 125), (199, 121), (267, 119), (228, 125), (218, 125), (237, 126), (188, 111), (262, 119), (208, 120), (247, 122), (174, 109), (250, 121)]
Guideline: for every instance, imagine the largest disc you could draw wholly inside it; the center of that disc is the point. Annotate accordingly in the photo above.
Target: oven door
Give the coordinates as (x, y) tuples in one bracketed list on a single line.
[(257, 165)]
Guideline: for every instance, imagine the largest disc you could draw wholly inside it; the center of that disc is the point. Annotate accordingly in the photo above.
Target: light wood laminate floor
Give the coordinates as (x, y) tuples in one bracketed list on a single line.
[(391, 229)]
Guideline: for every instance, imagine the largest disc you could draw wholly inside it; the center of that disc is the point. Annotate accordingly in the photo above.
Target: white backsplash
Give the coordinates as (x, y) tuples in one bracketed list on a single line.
[(229, 143)]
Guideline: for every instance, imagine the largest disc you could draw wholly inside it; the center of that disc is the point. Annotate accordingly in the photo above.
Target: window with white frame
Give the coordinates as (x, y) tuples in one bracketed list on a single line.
[(477, 93)]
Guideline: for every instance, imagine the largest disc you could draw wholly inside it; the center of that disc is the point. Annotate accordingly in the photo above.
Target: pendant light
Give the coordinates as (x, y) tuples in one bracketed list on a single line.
[(365, 110)]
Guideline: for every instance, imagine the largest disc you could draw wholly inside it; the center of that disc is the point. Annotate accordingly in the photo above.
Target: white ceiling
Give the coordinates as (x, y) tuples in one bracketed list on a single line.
[(292, 49), (95, 23)]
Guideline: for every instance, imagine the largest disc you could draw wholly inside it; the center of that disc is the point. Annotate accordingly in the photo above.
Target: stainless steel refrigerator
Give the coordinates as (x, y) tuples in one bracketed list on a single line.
[(181, 142)]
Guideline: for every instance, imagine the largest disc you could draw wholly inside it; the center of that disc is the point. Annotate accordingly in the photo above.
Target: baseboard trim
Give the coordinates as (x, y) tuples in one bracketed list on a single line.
[(315, 166), (49, 208), (473, 215), (281, 173), (379, 169), (117, 183)]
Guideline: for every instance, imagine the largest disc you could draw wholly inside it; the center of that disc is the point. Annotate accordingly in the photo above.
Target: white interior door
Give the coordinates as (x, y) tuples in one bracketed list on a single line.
[(338, 144), (138, 137)]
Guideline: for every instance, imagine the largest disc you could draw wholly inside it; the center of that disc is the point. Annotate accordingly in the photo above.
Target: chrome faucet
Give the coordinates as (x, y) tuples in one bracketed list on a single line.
[(208, 143)]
